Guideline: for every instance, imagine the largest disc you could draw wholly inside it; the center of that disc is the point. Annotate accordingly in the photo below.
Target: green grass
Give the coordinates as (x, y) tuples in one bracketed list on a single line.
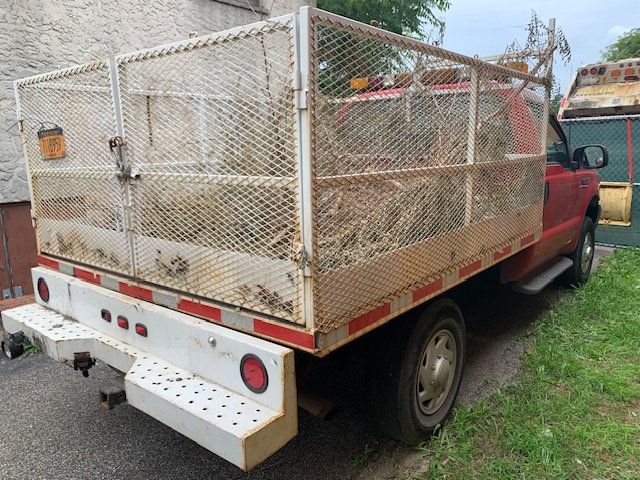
[(363, 459), (574, 410), (30, 349)]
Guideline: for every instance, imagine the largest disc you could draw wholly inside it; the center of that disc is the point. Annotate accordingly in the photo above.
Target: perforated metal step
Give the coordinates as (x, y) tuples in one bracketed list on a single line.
[(235, 427)]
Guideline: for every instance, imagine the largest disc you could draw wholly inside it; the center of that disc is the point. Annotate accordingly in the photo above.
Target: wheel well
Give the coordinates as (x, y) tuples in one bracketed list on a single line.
[(592, 209)]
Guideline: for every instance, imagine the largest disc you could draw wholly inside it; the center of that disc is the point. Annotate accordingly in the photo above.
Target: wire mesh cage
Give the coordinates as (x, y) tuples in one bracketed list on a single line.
[(204, 166), (422, 160)]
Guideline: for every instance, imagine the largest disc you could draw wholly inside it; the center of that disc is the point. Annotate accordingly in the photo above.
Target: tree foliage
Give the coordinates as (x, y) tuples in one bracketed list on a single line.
[(400, 16), (626, 46)]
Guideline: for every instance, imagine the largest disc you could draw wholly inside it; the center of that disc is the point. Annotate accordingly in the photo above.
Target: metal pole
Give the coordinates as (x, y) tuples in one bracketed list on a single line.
[(472, 128), (548, 75), (25, 152), (302, 46), (629, 150), (127, 204)]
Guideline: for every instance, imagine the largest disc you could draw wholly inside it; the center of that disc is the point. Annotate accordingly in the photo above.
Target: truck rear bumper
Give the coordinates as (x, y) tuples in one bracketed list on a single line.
[(185, 372)]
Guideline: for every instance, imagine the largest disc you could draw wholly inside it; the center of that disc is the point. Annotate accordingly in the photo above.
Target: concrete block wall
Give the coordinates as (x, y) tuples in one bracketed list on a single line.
[(37, 36)]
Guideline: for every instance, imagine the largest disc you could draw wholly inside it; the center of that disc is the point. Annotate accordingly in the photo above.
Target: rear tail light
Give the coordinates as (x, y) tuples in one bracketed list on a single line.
[(593, 71), (123, 322), (106, 315), (141, 330), (43, 289), (584, 71), (253, 373), (629, 71)]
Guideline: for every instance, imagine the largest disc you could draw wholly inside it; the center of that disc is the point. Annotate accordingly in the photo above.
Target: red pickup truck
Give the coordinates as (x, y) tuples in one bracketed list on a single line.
[(221, 210), (564, 251)]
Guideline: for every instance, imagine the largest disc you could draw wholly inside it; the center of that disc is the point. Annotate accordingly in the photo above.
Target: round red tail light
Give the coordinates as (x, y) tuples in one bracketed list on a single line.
[(43, 289), (253, 373), (584, 71), (593, 71)]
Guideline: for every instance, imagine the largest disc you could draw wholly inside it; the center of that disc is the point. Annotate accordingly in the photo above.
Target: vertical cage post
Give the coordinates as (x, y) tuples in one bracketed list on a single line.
[(548, 75), (303, 39), (472, 130), (25, 152), (117, 111)]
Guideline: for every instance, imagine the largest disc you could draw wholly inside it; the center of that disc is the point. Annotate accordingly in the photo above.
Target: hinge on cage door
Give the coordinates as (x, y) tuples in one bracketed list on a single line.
[(300, 99), (118, 146), (302, 259)]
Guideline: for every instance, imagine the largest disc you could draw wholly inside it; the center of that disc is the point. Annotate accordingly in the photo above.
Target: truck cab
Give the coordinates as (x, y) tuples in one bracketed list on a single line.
[(571, 199)]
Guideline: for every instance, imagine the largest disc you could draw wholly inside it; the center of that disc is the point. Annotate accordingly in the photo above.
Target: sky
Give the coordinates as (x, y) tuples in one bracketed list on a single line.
[(487, 27)]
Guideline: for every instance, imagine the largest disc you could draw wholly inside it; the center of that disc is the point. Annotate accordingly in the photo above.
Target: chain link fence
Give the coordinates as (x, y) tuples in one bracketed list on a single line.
[(620, 179)]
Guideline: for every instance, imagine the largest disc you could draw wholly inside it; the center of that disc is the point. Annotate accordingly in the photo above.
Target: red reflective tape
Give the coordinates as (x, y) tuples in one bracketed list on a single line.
[(629, 150), (200, 310), (47, 262), (86, 275), (527, 240), (369, 318), (285, 334), (469, 269), (138, 292), (500, 254), (427, 290)]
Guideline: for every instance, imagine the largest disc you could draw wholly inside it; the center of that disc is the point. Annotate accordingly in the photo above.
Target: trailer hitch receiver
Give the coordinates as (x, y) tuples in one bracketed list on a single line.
[(13, 345), (82, 361)]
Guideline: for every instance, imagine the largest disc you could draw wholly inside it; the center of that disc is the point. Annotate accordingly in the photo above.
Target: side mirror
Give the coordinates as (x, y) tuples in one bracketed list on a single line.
[(591, 156)]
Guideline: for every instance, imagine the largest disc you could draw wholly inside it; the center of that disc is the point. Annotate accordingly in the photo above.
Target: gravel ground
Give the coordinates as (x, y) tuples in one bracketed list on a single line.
[(51, 426)]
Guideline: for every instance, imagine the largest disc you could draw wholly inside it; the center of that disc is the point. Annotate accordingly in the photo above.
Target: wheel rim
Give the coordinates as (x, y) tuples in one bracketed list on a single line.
[(436, 371), (587, 253)]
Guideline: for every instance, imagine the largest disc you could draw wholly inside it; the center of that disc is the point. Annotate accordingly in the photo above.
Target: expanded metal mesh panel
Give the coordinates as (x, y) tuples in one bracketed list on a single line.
[(210, 127), (431, 162), (78, 203), (81, 218), (423, 160), (620, 135)]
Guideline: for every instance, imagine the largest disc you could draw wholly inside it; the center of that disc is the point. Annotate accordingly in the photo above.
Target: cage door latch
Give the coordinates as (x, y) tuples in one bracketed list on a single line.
[(117, 145)]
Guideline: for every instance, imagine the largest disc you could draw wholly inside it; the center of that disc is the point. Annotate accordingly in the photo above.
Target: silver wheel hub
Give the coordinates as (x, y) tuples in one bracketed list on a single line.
[(587, 253), (436, 371)]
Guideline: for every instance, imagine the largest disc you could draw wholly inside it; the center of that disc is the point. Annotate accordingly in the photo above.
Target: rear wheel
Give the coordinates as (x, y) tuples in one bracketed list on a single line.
[(419, 375), (582, 256)]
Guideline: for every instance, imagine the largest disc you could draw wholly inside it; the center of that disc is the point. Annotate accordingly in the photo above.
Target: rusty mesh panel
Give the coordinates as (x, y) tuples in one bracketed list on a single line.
[(78, 203), (423, 160), (210, 128)]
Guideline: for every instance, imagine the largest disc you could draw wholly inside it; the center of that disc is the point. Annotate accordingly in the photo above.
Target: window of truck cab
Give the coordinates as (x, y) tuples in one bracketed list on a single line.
[(557, 152)]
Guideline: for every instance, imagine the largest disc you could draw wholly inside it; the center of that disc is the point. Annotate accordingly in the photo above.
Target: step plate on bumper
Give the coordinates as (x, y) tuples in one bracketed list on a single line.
[(235, 426)]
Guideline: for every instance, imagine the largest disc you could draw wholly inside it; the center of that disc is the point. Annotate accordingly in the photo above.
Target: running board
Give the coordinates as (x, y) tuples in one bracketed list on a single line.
[(537, 280)]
